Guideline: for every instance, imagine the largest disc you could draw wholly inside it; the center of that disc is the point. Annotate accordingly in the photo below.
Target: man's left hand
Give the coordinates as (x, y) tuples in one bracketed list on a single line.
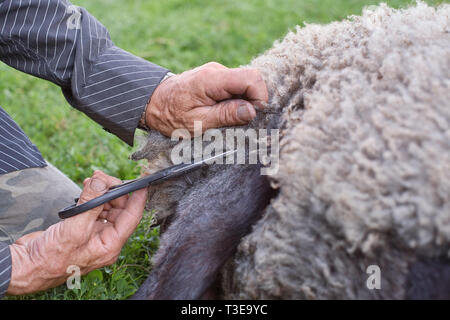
[(214, 94)]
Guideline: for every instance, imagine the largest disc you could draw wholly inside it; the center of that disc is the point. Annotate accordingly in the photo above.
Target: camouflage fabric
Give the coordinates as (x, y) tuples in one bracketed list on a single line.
[(31, 198)]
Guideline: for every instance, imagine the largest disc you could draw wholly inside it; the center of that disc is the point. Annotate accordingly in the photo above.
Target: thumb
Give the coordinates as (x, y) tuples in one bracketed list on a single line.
[(227, 113), (93, 188)]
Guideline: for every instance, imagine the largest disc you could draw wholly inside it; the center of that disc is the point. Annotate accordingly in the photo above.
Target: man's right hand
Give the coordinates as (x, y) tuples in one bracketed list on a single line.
[(89, 240)]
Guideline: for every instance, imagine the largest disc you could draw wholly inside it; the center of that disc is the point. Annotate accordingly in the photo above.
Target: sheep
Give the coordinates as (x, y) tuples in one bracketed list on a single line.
[(364, 175)]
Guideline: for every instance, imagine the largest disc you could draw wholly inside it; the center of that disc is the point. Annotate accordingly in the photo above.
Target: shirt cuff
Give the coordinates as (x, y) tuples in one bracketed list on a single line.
[(143, 121), (5, 268)]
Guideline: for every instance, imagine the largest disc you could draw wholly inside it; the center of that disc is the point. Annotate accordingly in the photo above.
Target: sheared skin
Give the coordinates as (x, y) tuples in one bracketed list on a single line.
[(205, 231)]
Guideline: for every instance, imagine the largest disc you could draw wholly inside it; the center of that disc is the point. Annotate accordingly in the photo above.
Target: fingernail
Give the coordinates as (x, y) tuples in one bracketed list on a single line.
[(245, 112), (97, 185)]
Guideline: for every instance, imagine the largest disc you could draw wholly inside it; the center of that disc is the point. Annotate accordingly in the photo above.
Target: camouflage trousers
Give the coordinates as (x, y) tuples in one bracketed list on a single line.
[(30, 200)]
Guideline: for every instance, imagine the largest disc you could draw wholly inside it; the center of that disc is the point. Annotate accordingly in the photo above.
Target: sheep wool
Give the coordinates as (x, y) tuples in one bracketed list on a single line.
[(364, 174)]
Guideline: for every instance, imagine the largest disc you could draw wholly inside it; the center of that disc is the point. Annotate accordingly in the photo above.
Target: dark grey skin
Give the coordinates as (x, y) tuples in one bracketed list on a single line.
[(205, 231), (429, 279)]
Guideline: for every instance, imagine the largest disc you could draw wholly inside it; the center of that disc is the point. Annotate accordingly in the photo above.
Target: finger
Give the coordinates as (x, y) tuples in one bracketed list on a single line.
[(226, 113), (119, 203), (110, 215), (225, 83), (104, 214), (130, 217), (101, 225)]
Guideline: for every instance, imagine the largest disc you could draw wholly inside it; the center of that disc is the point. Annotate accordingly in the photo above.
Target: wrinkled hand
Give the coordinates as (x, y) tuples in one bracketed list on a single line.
[(40, 259), (214, 94)]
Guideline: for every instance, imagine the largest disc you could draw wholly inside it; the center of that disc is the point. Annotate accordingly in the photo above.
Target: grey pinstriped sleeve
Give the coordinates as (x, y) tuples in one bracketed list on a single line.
[(62, 43), (5, 268)]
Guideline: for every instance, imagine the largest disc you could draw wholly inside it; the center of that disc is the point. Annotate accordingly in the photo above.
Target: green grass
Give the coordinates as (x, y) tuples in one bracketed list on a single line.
[(179, 35)]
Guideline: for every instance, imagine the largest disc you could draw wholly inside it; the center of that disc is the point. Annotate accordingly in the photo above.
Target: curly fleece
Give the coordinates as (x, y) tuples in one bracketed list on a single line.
[(365, 158)]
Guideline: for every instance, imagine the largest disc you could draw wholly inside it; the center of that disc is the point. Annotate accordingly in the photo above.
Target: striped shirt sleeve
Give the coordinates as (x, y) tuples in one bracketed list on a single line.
[(5, 268), (63, 43)]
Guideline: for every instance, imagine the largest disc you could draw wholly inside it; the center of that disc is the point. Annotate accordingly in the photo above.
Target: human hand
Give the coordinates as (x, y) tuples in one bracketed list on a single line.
[(212, 93), (89, 240)]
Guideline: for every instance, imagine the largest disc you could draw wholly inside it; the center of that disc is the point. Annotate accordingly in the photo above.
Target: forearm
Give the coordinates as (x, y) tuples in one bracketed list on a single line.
[(18, 273), (30, 273), (38, 261), (59, 42), (23, 272)]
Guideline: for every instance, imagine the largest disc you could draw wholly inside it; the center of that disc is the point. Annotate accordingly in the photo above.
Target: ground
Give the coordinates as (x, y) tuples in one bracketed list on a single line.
[(177, 34)]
